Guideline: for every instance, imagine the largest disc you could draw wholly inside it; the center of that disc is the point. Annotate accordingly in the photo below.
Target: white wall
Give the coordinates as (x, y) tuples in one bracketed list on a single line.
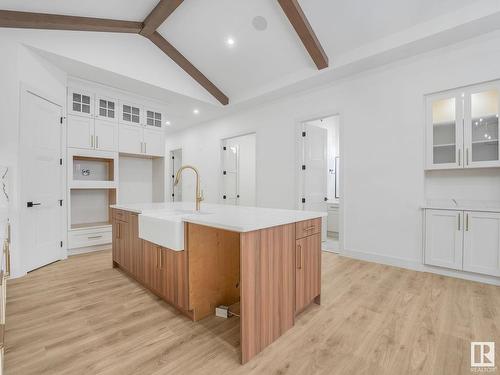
[(136, 180), (21, 66), (382, 144)]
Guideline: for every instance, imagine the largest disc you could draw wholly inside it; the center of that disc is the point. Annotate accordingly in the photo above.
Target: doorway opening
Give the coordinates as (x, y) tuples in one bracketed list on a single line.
[(175, 164), (319, 174), (238, 165)]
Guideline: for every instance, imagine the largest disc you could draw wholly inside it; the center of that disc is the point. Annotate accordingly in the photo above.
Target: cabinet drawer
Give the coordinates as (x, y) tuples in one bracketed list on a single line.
[(89, 237), (307, 228), (121, 215)]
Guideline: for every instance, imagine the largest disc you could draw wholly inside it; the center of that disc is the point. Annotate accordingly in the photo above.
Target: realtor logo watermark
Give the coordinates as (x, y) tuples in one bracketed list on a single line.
[(482, 356)]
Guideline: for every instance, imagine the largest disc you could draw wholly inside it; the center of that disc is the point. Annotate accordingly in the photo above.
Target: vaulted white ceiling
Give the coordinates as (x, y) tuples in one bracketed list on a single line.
[(356, 35)]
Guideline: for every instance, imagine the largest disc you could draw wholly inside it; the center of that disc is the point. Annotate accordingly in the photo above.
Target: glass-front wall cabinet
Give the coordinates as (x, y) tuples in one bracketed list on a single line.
[(462, 128), (482, 147), (444, 131)]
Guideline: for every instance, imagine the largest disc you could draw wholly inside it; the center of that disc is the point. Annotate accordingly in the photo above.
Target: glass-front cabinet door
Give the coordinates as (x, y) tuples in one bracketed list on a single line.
[(444, 131), (482, 104)]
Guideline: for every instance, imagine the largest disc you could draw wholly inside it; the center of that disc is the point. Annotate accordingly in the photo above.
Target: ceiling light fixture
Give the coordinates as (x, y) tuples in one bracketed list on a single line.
[(167, 123), (230, 42), (196, 111)]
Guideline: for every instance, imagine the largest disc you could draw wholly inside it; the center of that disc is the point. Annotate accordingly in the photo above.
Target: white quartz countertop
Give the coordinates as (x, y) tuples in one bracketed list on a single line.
[(463, 205), (233, 218)]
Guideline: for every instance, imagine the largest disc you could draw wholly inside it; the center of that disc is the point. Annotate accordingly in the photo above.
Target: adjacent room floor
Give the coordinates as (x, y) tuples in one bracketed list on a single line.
[(80, 316)]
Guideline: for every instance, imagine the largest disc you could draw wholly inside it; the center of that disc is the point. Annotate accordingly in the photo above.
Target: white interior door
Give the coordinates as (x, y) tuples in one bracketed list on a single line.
[(444, 238), (176, 164), (315, 170), (106, 135), (41, 181), (230, 173), (482, 243)]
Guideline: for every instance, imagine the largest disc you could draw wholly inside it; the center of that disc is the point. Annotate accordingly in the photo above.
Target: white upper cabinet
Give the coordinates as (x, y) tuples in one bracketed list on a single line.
[(482, 243), (105, 135), (130, 139), (444, 131), (106, 108), (462, 128), (482, 104), (131, 114), (80, 103), (154, 142), (80, 132)]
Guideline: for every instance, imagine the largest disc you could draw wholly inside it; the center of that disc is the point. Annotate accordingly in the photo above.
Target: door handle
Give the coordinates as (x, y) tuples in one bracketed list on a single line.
[(92, 141), (467, 155), (31, 204), (459, 157), (459, 222), (467, 222)]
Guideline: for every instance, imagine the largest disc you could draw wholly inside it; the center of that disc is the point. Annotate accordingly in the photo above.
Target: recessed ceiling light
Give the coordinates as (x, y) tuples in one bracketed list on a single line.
[(230, 42), (167, 123), (196, 111)]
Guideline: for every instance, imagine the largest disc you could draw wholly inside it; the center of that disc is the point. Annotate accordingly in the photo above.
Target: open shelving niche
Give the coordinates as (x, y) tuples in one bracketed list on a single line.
[(92, 188)]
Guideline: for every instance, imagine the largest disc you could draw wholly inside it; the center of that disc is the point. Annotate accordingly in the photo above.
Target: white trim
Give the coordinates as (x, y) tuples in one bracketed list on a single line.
[(89, 249), (418, 266)]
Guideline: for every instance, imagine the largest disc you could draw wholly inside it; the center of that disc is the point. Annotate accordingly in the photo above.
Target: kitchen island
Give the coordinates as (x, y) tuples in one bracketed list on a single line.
[(264, 263)]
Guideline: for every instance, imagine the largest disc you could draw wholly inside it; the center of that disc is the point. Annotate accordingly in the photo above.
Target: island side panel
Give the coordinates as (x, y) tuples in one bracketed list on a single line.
[(267, 287), (214, 268)]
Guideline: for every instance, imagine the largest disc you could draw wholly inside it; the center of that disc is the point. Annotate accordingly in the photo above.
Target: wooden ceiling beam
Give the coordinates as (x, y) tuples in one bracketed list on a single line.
[(28, 20), (158, 15), (189, 68), (303, 28)]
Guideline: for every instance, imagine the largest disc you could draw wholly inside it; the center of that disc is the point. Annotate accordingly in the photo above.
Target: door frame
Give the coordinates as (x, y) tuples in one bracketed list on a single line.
[(25, 89), (299, 122)]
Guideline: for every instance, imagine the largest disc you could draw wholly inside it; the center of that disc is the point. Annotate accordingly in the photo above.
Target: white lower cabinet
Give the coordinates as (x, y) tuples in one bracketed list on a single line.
[(89, 237), (482, 243), (463, 240), (444, 238)]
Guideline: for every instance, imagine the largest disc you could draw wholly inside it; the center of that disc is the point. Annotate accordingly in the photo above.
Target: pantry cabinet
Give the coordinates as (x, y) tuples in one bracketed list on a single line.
[(462, 128), (463, 240)]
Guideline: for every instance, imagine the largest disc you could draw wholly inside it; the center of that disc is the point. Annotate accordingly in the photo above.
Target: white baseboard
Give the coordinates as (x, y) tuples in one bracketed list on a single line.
[(89, 249), (418, 266)]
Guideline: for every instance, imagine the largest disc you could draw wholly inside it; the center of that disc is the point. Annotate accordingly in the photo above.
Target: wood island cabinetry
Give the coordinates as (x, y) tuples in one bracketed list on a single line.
[(274, 273)]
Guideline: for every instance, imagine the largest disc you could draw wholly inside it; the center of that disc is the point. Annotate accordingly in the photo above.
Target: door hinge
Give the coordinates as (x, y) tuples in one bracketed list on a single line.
[(326, 199), (173, 194), (173, 176), (224, 172), (60, 202), (303, 134), (303, 200), (223, 197), (173, 157), (61, 120), (224, 148), (60, 161), (303, 167), (61, 244)]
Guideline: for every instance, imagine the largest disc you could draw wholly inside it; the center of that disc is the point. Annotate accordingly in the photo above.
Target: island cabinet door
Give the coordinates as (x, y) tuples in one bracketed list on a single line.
[(118, 241), (152, 267), (125, 246), (307, 270), (136, 249)]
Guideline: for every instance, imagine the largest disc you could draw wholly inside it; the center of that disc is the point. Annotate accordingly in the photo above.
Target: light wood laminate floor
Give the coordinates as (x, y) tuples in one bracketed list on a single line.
[(80, 316)]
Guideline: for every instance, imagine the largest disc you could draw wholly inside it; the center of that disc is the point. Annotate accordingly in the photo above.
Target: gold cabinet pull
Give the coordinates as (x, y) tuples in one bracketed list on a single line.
[(459, 221)]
